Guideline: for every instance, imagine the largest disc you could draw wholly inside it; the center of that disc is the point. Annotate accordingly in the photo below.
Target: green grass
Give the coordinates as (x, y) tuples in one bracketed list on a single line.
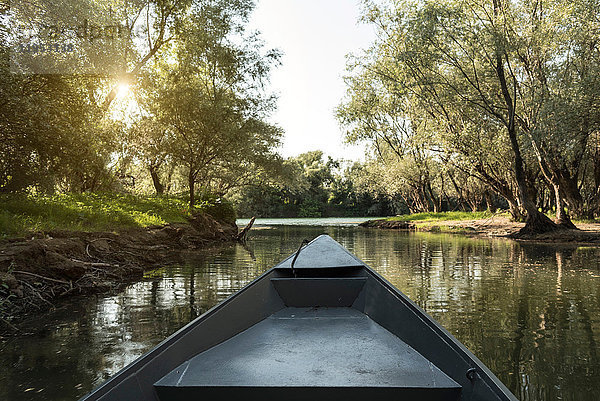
[(575, 220), (442, 216), (585, 221), (23, 214), (446, 229), (457, 216)]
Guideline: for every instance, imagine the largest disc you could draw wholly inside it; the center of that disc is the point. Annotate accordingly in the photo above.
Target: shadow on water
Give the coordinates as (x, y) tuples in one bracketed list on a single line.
[(530, 312)]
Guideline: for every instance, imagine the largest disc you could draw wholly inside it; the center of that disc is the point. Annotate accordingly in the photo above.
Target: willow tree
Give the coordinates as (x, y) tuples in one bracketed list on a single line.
[(52, 135), (396, 131), (477, 68), (559, 76), (207, 95)]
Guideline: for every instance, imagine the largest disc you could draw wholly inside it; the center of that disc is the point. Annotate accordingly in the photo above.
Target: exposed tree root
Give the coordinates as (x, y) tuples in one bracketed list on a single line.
[(537, 223)]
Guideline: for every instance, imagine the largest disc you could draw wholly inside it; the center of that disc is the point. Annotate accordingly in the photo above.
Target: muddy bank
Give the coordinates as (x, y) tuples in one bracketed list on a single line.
[(35, 272), (495, 226)]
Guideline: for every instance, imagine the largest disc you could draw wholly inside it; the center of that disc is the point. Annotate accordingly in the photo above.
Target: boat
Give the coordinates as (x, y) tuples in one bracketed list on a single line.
[(320, 325)]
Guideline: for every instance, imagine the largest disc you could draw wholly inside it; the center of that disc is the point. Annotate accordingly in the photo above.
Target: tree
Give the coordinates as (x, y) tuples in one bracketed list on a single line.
[(463, 69), (195, 72), (52, 132), (561, 82), (52, 135), (151, 145), (209, 100), (158, 21), (374, 113)]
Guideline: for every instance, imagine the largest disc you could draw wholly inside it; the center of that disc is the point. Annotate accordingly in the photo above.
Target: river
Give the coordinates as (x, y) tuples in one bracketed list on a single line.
[(530, 312)]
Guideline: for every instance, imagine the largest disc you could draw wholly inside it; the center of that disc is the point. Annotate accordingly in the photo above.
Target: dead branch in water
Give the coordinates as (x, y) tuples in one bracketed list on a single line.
[(242, 235), (42, 277), (36, 292)]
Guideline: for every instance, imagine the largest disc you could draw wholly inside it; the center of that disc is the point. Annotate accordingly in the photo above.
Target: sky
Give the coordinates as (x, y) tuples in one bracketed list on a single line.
[(315, 36)]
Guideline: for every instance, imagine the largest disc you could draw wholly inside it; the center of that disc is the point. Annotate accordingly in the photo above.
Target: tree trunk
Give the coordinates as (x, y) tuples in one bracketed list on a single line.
[(158, 186), (192, 184), (552, 199), (169, 179), (443, 194), (556, 178), (459, 192), (473, 204), (434, 200), (536, 222), (595, 204), (562, 217), (515, 211), (409, 205), (421, 204), (572, 196), (490, 206)]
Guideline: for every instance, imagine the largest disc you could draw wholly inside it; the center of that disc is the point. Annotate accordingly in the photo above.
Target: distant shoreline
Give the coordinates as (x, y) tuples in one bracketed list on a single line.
[(494, 226), (307, 221)]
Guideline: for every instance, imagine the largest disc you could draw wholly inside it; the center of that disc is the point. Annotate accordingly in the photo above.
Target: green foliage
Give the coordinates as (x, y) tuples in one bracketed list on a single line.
[(310, 186), (219, 208), (196, 113), (498, 92), (45, 140), (97, 212), (206, 110), (310, 208)]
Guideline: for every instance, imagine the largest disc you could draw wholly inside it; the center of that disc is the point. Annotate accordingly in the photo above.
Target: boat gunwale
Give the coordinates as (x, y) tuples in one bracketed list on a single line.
[(341, 247)]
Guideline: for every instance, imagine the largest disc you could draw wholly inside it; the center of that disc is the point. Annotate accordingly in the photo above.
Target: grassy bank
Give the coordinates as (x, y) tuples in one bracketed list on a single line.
[(461, 216), (486, 224), (441, 216), (445, 222), (457, 222), (22, 214), (97, 243)]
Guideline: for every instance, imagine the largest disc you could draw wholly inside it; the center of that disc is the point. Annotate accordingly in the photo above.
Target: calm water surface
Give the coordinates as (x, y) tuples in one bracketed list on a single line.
[(531, 313)]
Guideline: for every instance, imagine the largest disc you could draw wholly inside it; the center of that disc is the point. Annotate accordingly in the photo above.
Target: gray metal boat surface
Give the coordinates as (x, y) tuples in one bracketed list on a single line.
[(330, 328)]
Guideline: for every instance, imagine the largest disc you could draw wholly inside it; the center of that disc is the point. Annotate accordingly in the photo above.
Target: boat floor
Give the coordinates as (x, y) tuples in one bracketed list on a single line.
[(311, 348)]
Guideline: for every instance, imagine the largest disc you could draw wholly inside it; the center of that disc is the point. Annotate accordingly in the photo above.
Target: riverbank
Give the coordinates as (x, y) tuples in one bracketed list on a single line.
[(45, 265), (484, 224), (25, 215)]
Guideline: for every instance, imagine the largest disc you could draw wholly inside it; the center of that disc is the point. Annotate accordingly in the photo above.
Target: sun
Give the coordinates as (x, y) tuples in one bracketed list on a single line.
[(125, 105), (122, 90)]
